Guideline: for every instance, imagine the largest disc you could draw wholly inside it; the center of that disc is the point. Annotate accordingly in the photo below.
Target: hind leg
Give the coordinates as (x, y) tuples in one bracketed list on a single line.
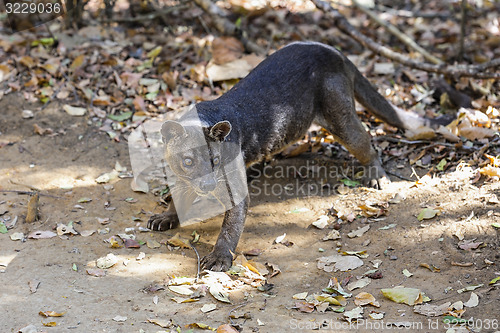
[(338, 115)]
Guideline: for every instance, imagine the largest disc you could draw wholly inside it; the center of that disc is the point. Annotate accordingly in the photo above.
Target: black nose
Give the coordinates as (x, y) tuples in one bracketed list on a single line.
[(208, 185)]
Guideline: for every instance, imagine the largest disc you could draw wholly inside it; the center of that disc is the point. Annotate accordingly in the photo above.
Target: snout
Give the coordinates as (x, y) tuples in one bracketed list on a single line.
[(207, 185)]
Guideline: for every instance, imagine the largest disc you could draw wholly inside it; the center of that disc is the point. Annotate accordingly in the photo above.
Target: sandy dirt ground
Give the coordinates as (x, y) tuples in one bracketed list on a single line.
[(51, 274)]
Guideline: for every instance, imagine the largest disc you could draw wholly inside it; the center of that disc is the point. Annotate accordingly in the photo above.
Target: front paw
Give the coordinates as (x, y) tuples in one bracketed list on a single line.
[(164, 221), (379, 183), (217, 261)]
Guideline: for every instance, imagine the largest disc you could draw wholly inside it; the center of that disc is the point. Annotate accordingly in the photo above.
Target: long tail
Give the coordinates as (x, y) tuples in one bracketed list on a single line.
[(378, 106)]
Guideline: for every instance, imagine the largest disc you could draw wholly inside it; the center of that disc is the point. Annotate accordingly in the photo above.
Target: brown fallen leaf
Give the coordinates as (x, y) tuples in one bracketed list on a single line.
[(364, 298), (51, 314), (131, 243), (78, 62), (226, 49), (460, 264), (226, 328), (97, 272), (296, 149), (490, 171), (275, 270), (304, 307), (253, 252), (432, 268), (49, 324), (33, 284), (42, 131), (178, 241), (165, 323), (200, 325), (27, 61), (469, 244)]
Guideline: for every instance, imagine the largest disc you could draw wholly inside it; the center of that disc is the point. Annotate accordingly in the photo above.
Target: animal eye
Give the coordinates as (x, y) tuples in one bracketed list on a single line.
[(188, 162), (216, 160)]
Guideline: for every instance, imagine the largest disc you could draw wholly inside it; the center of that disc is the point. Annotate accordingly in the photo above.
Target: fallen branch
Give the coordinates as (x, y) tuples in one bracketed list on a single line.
[(398, 33), (463, 18), (412, 14), (227, 27), (147, 17), (457, 70)]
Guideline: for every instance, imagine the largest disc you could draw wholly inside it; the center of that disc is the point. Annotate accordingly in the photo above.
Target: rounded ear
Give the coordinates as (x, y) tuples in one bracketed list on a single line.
[(220, 130), (171, 129)]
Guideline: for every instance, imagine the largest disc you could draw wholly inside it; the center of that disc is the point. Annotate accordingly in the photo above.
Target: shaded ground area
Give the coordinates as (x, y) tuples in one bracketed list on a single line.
[(64, 167)]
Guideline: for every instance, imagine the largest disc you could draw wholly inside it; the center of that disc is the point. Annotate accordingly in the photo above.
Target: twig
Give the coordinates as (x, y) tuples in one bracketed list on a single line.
[(399, 176), (343, 24), (30, 193), (411, 14), (147, 17), (28, 186), (234, 309), (398, 33), (227, 27), (198, 260), (463, 11)]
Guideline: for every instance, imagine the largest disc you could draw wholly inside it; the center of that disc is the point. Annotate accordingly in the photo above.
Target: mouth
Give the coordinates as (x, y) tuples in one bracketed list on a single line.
[(202, 193)]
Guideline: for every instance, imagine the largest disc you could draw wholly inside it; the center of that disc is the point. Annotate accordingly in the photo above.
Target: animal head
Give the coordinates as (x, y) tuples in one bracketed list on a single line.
[(195, 152)]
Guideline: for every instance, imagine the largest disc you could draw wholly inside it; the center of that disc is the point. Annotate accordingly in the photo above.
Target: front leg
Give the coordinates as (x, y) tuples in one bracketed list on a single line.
[(221, 259), (170, 218), (166, 220)]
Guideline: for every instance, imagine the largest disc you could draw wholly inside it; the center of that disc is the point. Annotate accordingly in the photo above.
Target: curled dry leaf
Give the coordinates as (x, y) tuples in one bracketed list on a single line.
[(74, 110), (208, 307), (427, 213), (217, 291), (180, 300), (51, 314), (165, 323), (432, 268), (364, 298), (473, 301)]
